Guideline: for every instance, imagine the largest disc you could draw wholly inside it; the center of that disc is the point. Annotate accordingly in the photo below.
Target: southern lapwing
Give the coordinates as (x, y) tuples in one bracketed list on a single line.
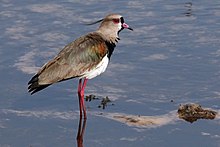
[(84, 58)]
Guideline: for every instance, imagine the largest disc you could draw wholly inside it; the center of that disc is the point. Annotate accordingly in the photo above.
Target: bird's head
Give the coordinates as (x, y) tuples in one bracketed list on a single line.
[(114, 22), (111, 25)]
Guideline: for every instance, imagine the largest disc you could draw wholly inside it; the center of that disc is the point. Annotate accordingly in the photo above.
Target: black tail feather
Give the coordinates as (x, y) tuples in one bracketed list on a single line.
[(34, 86)]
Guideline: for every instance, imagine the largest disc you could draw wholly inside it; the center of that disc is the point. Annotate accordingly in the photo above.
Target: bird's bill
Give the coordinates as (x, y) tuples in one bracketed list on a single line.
[(126, 26)]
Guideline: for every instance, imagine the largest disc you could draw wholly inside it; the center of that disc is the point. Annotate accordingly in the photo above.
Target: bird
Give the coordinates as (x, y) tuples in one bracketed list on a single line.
[(84, 58)]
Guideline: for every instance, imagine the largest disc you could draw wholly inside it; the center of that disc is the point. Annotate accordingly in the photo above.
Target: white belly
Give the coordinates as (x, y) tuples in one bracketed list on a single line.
[(100, 68)]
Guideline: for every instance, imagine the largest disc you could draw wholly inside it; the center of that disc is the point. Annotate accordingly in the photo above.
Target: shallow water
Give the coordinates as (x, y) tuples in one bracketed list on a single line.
[(172, 55)]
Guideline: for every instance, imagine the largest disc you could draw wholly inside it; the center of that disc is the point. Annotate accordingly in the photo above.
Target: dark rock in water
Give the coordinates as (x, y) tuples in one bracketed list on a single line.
[(192, 112)]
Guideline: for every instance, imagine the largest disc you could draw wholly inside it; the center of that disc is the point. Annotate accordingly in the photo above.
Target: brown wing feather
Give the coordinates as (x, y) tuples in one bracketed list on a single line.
[(75, 58)]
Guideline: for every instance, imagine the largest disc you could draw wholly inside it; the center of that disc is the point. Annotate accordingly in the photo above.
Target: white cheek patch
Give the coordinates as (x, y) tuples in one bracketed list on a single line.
[(119, 26)]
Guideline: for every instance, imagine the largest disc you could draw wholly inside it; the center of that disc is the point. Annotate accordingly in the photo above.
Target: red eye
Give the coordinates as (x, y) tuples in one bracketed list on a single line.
[(116, 21)]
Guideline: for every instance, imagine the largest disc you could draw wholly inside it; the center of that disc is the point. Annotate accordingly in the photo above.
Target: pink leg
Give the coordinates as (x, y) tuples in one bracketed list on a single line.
[(79, 95), (82, 95), (81, 89)]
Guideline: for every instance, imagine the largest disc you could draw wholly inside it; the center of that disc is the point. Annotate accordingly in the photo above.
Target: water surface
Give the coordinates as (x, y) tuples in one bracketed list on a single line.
[(172, 55)]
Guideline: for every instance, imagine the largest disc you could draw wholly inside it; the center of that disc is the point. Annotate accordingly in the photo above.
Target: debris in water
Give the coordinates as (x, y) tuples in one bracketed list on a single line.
[(192, 112), (91, 97), (104, 102)]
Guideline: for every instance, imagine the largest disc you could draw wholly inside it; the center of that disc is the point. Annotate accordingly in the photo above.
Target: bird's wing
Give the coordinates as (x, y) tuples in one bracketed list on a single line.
[(74, 60)]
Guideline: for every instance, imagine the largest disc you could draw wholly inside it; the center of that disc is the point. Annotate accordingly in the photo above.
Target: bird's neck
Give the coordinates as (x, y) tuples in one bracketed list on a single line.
[(111, 47), (109, 35)]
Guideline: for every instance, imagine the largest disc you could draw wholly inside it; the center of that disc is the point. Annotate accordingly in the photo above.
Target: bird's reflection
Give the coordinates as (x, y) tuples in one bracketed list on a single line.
[(81, 131), (189, 12)]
